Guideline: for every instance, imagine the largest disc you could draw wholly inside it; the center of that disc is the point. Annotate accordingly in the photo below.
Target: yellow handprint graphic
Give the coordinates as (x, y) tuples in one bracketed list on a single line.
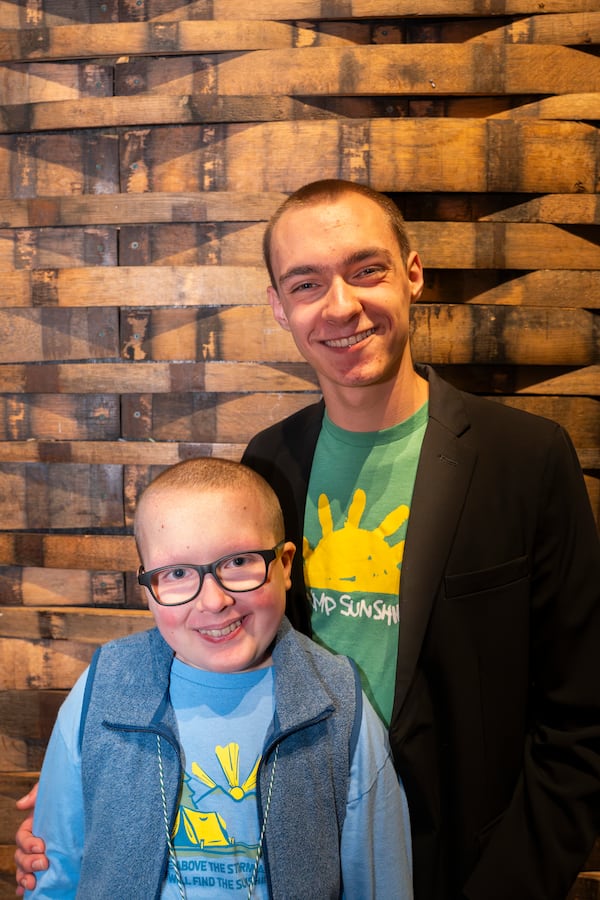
[(364, 561)]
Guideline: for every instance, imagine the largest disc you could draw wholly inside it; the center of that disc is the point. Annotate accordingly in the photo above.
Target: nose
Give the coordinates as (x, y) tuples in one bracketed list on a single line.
[(342, 303), (212, 597)]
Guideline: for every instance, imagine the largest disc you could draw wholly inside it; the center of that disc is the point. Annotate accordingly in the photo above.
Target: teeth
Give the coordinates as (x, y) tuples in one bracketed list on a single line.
[(220, 632), (350, 341)]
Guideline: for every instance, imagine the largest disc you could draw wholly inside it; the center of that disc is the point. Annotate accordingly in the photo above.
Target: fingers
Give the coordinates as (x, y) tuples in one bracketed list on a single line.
[(28, 801)]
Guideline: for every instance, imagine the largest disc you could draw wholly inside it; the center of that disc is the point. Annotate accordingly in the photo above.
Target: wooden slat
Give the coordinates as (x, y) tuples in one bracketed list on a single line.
[(69, 379), (568, 106), (47, 495), (73, 163), (12, 786), (445, 245), (203, 418), (63, 13), (442, 333), (57, 248), (185, 417), (541, 380), (184, 37), (53, 415), (122, 209), (135, 285), (87, 626), (478, 155), (226, 206), (223, 285), (118, 452), (427, 69), (155, 39), (545, 287), (98, 552), (560, 209), (38, 334), (225, 377), (49, 82), (26, 721), (563, 28), (42, 664), (30, 586)]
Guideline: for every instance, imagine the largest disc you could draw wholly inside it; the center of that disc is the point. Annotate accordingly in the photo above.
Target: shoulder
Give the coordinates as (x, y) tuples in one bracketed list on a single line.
[(488, 419), (308, 418), (305, 667)]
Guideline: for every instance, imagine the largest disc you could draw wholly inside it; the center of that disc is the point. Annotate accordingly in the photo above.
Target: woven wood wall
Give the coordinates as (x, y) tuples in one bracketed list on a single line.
[(143, 145)]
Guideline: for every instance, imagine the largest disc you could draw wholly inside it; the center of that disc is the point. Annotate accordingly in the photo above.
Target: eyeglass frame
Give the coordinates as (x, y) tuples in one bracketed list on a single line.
[(269, 556)]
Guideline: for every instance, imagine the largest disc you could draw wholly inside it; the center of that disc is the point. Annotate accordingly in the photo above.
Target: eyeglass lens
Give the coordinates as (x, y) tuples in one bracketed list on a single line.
[(242, 572)]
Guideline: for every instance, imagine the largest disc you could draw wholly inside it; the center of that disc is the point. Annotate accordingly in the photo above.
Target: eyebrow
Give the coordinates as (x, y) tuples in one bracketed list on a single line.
[(351, 259)]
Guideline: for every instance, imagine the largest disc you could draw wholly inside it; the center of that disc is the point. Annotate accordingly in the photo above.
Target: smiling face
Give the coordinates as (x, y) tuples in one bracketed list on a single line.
[(344, 291), (222, 631)]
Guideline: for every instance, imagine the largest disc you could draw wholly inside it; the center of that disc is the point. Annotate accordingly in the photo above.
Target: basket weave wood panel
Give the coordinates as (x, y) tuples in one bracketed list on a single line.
[(143, 146)]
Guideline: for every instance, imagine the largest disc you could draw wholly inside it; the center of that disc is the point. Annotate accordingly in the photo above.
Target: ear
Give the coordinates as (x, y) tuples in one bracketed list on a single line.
[(288, 553), (277, 308), (414, 271)]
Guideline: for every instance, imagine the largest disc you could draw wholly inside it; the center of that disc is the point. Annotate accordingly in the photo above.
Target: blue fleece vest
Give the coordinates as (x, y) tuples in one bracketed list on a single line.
[(126, 706)]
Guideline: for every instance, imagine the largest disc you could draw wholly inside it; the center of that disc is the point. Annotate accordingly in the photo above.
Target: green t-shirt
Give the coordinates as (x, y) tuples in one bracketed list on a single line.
[(356, 516)]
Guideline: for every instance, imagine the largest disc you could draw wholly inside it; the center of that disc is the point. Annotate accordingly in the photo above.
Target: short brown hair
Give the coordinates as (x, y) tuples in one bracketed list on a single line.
[(214, 474), (331, 189)]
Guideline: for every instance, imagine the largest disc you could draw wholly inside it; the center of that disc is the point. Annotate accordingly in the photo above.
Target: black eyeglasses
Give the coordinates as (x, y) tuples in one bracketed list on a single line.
[(245, 571)]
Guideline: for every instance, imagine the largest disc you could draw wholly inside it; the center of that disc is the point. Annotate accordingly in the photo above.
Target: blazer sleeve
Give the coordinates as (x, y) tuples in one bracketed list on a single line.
[(541, 841)]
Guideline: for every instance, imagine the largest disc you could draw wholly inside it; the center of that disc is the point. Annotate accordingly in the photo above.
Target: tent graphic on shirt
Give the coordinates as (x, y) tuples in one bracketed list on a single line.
[(206, 828), (203, 829), (364, 561)]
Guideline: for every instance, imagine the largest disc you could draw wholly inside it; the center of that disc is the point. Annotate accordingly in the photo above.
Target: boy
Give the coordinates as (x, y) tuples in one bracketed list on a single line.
[(221, 754)]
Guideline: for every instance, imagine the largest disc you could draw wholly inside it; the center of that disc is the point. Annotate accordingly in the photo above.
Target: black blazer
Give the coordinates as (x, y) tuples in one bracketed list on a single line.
[(495, 729)]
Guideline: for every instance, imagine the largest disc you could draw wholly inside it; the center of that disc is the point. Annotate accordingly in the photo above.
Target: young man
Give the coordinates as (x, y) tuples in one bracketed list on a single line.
[(483, 660), (221, 755)]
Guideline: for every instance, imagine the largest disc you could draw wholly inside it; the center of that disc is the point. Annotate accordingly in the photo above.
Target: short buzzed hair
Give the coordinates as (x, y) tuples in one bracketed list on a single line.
[(214, 474), (331, 190)]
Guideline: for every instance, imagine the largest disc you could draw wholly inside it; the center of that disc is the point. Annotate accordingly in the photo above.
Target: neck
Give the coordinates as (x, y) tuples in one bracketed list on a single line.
[(374, 407)]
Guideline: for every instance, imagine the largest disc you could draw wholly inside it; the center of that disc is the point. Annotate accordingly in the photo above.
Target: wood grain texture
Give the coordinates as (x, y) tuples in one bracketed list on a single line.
[(143, 146)]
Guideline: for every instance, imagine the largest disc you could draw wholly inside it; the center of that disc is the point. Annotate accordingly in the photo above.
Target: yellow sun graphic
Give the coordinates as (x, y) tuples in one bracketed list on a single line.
[(362, 560), (229, 759)]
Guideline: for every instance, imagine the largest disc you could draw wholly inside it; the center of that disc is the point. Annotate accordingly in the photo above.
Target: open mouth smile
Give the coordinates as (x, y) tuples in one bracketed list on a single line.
[(217, 633), (350, 341)]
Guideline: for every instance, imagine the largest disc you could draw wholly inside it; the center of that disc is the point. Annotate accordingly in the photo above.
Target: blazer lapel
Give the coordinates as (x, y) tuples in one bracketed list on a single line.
[(443, 477)]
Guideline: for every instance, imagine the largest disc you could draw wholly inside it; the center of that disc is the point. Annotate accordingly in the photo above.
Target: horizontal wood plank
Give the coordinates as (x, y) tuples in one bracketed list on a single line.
[(225, 377), (47, 664), (64, 381), (87, 626), (410, 154), (37, 334), (227, 206), (47, 495), (31, 586), (62, 13), (441, 333), (156, 39), (120, 452), (246, 285), (444, 245), (571, 106), (570, 29)]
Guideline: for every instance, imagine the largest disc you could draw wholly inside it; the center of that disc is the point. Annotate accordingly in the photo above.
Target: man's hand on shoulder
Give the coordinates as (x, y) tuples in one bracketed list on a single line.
[(29, 855)]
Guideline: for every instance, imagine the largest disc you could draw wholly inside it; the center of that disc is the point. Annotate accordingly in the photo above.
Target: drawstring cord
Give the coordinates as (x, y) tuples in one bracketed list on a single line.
[(172, 855)]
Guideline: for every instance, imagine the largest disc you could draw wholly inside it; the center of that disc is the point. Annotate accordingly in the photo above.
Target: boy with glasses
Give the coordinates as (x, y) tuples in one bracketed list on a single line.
[(221, 754)]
